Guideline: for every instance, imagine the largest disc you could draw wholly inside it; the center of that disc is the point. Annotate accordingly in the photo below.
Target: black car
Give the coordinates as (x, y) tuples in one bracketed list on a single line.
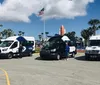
[(54, 48)]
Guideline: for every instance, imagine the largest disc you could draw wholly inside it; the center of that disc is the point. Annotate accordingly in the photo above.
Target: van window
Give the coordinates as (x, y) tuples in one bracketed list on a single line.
[(14, 45), (6, 43), (28, 43), (94, 43)]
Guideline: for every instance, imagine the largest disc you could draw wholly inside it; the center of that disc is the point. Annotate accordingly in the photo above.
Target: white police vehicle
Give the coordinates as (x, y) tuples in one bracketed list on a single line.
[(10, 47), (93, 48)]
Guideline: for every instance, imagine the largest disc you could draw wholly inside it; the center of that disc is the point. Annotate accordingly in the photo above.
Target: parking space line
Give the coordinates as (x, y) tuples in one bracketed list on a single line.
[(6, 74)]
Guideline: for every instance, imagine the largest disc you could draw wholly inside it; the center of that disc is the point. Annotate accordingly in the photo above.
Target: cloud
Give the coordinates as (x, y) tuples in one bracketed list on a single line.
[(21, 10)]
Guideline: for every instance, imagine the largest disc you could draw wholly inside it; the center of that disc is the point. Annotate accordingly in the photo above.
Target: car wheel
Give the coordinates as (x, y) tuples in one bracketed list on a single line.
[(10, 55), (58, 57), (87, 57)]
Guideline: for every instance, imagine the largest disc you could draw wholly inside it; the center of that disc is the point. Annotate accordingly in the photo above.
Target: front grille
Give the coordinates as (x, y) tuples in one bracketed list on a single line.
[(45, 51), (94, 52)]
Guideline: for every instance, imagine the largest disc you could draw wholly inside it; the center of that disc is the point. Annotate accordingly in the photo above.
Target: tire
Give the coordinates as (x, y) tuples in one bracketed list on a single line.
[(73, 55), (58, 57), (10, 55), (87, 57)]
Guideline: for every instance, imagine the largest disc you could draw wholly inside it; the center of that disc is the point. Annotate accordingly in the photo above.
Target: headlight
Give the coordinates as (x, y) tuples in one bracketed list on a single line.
[(53, 50), (5, 49), (99, 51)]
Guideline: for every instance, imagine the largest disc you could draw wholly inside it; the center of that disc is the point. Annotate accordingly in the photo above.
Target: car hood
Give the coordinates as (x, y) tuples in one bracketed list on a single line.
[(3, 47)]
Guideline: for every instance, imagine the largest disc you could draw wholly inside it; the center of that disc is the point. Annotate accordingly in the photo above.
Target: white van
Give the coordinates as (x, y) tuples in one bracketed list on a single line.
[(1, 40), (10, 47), (93, 48)]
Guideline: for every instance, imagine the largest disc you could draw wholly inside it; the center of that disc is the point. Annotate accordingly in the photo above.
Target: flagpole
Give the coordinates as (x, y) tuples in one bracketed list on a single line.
[(41, 12), (44, 28)]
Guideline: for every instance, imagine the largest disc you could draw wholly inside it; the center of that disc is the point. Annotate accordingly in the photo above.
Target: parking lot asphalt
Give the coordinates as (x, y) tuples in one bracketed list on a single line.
[(34, 71)]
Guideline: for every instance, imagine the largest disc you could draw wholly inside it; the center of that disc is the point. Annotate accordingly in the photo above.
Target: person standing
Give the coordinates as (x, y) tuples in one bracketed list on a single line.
[(20, 50), (67, 49)]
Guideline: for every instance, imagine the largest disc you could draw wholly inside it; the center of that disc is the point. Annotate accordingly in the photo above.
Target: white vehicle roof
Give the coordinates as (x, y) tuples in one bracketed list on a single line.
[(2, 40), (96, 37), (65, 38), (14, 38), (29, 38)]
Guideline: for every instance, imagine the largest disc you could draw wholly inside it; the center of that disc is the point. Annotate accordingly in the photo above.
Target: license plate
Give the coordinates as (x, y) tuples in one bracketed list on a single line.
[(93, 56)]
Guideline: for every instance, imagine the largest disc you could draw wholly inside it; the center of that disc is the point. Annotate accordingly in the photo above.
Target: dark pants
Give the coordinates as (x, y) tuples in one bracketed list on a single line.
[(67, 54), (20, 52)]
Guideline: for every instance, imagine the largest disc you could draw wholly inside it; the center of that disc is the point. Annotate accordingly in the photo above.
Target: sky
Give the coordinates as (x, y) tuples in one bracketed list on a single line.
[(22, 15)]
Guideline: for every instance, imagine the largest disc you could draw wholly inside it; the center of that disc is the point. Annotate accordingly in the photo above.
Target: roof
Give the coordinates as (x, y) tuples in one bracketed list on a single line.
[(96, 37), (29, 38), (16, 37), (65, 38), (2, 39), (12, 38)]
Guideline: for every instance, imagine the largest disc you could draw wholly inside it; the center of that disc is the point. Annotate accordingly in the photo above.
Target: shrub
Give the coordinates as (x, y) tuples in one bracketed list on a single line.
[(37, 49)]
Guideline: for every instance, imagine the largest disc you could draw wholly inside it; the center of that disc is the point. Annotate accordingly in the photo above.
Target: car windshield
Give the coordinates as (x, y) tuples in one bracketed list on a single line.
[(94, 43), (51, 43), (6, 43)]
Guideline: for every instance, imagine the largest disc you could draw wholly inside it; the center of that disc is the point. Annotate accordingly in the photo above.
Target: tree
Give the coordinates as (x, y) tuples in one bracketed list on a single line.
[(21, 33), (94, 23), (71, 36), (85, 34), (7, 33)]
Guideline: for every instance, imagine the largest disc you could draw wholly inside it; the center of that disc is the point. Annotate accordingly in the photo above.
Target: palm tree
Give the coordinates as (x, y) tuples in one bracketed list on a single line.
[(40, 37), (94, 23), (21, 33), (85, 34), (46, 34)]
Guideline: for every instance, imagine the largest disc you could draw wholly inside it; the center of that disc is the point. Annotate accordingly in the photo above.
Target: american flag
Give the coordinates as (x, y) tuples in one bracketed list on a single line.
[(41, 12)]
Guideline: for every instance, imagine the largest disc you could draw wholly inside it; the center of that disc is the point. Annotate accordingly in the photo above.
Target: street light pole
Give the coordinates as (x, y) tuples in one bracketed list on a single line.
[(44, 29)]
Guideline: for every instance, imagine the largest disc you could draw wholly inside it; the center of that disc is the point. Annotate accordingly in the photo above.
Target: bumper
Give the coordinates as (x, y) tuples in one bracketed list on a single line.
[(48, 55), (3, 54), (92, 55)]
